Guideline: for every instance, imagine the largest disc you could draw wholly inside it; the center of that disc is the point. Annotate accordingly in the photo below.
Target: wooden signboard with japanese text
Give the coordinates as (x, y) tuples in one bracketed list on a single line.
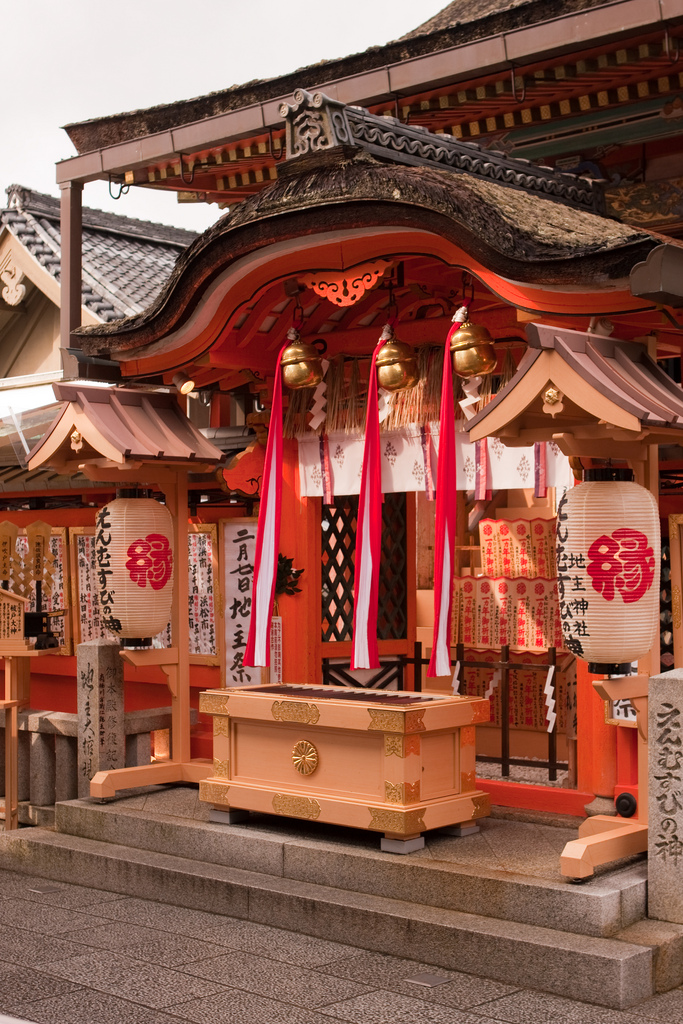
[(620, 712), (238, 545), (521, 613), (39, 554), (203, 593)]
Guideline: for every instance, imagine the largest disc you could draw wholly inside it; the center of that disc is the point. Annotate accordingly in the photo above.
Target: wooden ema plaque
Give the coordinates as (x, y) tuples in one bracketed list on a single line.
[(398, 763), (12, 639)]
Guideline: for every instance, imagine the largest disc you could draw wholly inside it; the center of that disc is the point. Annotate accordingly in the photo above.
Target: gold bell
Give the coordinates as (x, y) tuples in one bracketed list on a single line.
[(301, 364), (396, 363), (472, 350)]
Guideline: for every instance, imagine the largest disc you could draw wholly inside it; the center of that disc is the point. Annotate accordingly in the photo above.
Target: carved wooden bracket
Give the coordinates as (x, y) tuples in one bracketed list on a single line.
[(346, 287), (14, 291)]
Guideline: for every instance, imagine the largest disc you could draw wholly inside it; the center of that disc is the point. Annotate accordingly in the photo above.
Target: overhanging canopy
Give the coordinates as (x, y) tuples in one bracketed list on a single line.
[(586, 392), (121, 425)]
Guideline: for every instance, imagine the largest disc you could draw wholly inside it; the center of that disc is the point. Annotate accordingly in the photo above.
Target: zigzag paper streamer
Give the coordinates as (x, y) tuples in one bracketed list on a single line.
[(549, 691), (471, 389), (455, 685), (319, 405), (384, 404), (495, 679)]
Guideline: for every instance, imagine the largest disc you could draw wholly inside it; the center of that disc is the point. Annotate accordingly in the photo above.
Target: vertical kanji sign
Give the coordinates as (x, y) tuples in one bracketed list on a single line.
[(238, 538)]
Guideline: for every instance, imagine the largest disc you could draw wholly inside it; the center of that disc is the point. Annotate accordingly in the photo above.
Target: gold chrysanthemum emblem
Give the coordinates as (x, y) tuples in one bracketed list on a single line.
[(305, 757)]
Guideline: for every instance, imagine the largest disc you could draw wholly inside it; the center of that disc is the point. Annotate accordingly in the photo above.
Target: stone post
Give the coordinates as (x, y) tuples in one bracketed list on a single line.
[(101, 735), (665, 833)]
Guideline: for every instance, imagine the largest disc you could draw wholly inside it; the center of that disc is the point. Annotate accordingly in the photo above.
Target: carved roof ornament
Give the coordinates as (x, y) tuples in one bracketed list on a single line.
[(314, 123), (13, 292), (346, 287)]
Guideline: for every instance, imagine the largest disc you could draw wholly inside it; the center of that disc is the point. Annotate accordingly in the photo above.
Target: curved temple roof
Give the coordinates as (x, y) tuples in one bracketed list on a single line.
[(519, 237)]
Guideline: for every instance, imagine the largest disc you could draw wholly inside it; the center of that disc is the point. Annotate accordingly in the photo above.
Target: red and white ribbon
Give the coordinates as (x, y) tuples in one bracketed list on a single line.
[(446, 498), (540, 469), (365, 652), (482, 491), (257, 651), (425, 441), (324, 446)]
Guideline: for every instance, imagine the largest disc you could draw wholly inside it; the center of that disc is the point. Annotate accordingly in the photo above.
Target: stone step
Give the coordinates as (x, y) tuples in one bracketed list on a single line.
[(601, 907), (605, 971)]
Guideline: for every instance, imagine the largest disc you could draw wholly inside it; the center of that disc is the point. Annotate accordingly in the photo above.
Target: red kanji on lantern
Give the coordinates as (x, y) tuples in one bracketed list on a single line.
[(150, 560), (625, 561)]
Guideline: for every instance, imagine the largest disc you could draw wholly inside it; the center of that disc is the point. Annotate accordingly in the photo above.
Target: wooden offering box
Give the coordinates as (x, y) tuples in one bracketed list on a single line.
[(393, 762)]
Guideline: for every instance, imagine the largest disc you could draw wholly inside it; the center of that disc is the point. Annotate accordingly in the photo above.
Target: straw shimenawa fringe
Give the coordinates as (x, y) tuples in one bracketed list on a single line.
[(347, 391)]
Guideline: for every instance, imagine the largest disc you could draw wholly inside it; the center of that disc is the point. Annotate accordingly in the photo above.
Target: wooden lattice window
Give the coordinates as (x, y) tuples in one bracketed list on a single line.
[(338, 562)]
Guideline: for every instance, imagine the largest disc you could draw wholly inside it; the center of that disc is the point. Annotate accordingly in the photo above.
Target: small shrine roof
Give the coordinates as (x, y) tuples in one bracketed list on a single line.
[(582, 390), (125, 261), (120, 425)]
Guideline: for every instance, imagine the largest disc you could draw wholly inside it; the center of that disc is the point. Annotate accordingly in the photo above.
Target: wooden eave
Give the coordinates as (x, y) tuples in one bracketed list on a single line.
[(583, 390), (121, 426), (511, 80), (227, 305)]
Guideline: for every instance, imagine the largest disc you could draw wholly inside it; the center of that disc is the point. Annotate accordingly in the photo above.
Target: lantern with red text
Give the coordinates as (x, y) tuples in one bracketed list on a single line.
[(134, 566), (608, 561)]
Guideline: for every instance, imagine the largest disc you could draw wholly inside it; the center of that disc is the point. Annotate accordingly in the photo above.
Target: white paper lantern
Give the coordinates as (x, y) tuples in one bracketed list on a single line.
[(608, 562), (134, 566)]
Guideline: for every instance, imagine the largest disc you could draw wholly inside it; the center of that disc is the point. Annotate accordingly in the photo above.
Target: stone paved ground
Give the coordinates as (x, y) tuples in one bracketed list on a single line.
[(73, 955)]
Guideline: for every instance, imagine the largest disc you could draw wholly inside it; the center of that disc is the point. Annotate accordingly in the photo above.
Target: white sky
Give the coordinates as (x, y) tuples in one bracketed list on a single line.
[(69, 60)]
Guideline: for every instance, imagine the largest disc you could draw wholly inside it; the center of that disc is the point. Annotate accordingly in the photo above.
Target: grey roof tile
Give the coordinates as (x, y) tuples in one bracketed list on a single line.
[(125, 261)]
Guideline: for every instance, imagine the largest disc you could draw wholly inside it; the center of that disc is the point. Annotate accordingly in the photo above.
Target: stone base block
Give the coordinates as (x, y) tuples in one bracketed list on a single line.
[(459, 830), (402, 845), (666, 942), (228, 817)]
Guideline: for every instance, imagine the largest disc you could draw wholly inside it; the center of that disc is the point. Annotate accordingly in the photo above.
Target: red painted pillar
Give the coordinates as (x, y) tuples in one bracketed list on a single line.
[(300, 540), (596, 741)]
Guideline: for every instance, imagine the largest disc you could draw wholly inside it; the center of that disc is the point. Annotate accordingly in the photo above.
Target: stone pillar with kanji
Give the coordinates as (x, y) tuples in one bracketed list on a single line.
[(101, 732), (665, 839)]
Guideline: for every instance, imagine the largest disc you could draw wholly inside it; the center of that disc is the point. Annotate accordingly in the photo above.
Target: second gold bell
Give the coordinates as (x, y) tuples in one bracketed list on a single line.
[(472, 350), (396, 364)]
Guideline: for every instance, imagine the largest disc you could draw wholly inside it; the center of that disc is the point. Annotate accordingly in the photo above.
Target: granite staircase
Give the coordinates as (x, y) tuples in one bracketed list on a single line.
[(446, 905)]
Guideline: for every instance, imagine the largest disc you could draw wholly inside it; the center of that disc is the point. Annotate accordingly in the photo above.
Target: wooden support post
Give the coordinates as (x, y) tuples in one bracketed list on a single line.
[(179, 673), (16, 696), (596, 744), (300, 540), (417, 667), (71, 224), (505, 711), (604, 838)]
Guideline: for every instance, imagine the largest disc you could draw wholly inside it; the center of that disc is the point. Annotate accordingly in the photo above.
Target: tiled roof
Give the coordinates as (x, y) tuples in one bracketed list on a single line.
[(125, 261)]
